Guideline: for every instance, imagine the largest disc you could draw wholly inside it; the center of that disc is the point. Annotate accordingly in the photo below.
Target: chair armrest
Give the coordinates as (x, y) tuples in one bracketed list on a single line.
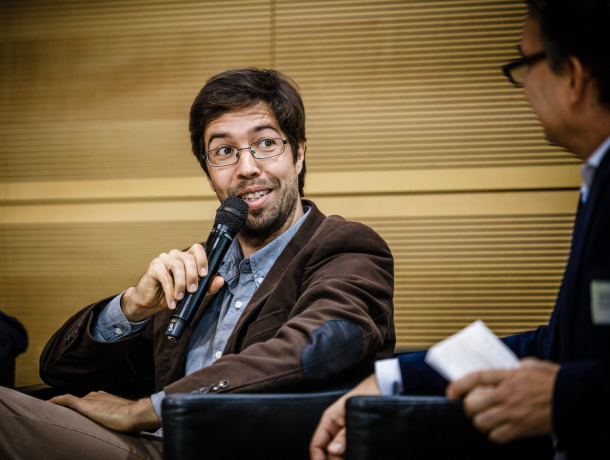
[(242, 425), (422, 427)]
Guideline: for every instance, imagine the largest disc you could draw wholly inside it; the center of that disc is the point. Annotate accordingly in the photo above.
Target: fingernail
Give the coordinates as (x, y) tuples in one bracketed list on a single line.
[(172, 305), (336, 447), (193, 287), (203, 272), (180, 295)]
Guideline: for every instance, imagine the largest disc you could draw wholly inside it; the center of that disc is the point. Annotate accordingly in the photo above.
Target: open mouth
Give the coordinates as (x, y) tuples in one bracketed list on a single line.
[(255, 195)]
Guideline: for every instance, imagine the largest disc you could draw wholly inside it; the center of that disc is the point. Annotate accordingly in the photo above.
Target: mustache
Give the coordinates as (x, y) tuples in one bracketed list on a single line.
[(267, 183)]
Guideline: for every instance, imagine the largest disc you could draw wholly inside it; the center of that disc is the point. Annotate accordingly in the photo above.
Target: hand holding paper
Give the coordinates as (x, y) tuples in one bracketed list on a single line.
[(474, 348)]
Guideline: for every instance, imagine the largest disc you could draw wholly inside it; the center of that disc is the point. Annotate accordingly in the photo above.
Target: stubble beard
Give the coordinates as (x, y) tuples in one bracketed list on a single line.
[(263, 223)]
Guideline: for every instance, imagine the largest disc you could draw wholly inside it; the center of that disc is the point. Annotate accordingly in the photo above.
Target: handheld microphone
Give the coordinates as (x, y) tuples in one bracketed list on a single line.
[(230, 218)]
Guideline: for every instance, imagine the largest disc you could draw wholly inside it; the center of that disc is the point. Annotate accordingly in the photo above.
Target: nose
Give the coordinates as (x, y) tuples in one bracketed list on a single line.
[(247, 165)]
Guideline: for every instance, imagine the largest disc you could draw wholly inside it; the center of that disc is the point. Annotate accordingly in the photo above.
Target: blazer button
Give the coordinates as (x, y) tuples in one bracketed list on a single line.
[(204, 390), (214, 387), (224, 384)]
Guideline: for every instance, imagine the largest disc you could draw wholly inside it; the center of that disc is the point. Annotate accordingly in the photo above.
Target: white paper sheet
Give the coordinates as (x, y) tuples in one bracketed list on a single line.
[(474, 348)]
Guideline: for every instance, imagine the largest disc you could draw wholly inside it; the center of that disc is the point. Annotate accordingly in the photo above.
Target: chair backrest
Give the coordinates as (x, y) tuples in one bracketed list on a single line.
[(270, 426), (425, 427)]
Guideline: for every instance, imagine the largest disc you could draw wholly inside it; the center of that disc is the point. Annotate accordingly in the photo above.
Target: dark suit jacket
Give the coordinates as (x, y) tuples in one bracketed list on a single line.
[(323, 313), (581, 399)]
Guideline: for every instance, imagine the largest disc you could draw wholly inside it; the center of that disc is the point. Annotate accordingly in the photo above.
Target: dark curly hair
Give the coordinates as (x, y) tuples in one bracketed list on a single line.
[(243, 88)]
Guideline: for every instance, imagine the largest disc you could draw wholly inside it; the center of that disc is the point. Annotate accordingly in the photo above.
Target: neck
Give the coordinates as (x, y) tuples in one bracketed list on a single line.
[(249, 245), (590, 142), (589, 124)]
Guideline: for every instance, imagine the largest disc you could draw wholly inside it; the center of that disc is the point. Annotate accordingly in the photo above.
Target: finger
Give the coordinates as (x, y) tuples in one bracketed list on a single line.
[(503, 434), (490, 419), (66, 400), (466, 384), (321, 438), (159, 272), (175, 266), (201, 259), (330, 424), (480, 399), (337, 445), (216, 284), (189, 267)]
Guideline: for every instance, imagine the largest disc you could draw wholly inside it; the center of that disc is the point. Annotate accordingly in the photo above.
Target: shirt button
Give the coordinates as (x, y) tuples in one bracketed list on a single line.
[(238, 304), (118, 330), (218, 354), (260, 280)]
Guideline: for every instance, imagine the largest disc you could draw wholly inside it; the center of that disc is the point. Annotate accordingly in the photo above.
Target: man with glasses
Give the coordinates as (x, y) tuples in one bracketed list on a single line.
[(561, 387), (295, 288)]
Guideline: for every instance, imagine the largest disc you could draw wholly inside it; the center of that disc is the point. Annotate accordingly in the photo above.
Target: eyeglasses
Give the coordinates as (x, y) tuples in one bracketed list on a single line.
[(516, 70), (261, 150)]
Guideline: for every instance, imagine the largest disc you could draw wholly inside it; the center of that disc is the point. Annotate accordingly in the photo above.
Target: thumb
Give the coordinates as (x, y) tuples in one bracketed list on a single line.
[(337, 445), (216, 284)]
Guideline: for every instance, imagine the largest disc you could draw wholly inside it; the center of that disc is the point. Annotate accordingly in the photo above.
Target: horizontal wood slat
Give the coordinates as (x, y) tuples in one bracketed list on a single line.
[(451, 271), (395, 85)]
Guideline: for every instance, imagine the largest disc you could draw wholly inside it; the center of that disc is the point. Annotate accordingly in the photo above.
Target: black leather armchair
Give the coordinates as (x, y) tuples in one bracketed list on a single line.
[(233, 426), (280, 426), (425, 427)]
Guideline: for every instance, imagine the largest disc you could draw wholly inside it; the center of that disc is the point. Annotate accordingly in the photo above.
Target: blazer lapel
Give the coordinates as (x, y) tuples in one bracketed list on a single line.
[(600, 181)]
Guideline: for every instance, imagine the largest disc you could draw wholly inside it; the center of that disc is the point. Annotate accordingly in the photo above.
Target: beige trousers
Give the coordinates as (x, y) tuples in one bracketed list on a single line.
[(32, 429)]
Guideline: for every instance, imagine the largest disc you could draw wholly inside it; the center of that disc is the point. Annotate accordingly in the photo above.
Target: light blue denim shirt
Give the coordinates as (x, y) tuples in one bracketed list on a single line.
[(242, 278)]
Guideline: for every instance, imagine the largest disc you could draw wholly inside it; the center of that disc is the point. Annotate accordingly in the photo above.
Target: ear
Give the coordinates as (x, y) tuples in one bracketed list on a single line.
[(300, 157), (580, 81)]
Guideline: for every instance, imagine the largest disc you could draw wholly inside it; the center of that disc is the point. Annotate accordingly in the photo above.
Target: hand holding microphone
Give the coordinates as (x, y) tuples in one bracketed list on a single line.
[(168, 276), (230, 218)]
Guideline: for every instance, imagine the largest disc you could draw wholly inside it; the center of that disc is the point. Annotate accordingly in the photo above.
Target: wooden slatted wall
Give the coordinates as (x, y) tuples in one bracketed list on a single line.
[(412, 129)]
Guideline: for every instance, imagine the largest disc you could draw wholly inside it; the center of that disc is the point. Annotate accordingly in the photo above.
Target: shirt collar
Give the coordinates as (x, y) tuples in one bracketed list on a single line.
[(587, 170), (263, 259)]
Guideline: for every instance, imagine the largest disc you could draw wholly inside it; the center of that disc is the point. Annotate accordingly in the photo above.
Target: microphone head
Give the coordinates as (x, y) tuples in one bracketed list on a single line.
[(232, 213)]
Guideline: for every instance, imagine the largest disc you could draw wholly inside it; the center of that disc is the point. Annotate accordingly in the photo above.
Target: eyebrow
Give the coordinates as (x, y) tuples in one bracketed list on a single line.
[(255, 129)]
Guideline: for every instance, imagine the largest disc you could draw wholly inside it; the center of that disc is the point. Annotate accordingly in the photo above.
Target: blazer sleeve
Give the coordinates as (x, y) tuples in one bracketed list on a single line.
[(420, 379), (75, 361)]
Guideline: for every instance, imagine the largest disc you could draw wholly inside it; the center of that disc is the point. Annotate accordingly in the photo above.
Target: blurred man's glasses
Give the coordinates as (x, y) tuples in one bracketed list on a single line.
[(516, 70)]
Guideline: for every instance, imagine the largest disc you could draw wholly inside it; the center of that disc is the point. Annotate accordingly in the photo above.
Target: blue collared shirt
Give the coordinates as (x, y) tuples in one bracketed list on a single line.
[(587, 170)]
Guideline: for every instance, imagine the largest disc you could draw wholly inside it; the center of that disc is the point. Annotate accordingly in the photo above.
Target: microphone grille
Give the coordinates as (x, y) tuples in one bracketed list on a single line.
[(232, 213)]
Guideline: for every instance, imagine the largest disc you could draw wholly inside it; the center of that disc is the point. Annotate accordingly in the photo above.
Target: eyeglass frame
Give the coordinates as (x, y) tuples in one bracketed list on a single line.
[(508, 68), (252, 152)]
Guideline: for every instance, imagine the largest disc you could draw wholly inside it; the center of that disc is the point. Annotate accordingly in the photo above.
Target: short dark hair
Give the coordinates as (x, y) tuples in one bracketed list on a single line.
[(578, 28), (243, 88)]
